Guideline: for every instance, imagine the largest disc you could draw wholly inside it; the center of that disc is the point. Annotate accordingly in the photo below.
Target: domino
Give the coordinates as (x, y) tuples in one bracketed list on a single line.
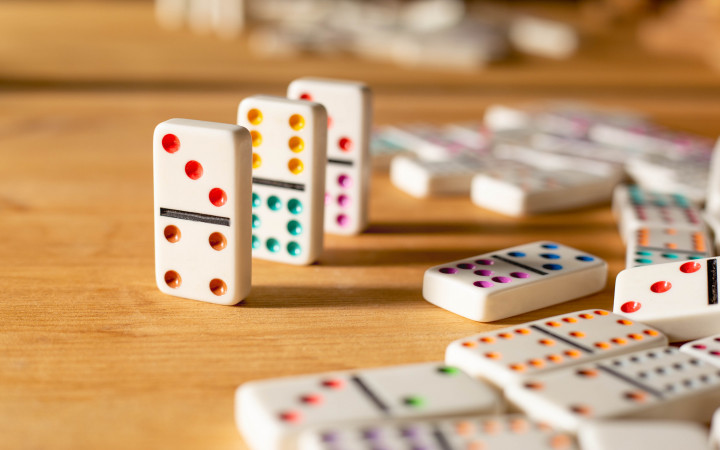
[(707, 349), (382, 151), (663, 245), (515, 280), (201, 175), (579, 146), (520, 192), (636, 208), (288, 160), (649, 384), (421, 178), (680, 298), (510, 355), (428, 142), (668, 175), (651, 138), (638, 434), (271, 413), (348, 104), (486, 433)]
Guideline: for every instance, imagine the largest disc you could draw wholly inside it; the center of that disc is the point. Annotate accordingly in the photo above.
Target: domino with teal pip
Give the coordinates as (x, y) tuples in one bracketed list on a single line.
[(348, 104), (272, 413), (515, 280), (289, 153), (201, 177)]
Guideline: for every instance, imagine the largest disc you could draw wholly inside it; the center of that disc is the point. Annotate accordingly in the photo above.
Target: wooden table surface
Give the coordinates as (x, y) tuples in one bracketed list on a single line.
[(92, 355)]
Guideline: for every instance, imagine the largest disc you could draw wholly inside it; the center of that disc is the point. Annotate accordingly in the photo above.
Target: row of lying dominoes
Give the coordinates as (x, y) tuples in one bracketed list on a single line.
[(576, 373), (267, 186), (542, 159)]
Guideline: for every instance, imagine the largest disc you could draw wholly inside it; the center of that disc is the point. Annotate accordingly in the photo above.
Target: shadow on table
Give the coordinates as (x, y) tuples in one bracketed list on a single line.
[(393, 256), (333, 297)]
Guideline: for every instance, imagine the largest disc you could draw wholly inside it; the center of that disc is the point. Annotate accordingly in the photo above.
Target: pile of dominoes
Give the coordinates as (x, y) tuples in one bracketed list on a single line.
[(295, 168)]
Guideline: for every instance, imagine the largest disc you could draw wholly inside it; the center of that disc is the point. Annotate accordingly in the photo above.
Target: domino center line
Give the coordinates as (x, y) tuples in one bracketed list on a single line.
[(279, 184), (195, 217), (523, 266), (712, 282), (629, 380), (344, 162), (563, 339), (441, 440), (370, 394)]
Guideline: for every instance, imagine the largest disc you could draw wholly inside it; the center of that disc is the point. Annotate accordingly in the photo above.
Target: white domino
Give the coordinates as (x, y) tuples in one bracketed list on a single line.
[(652, 384), (485, 432), (715, 431), (289, 155), (421, 178), (521, 191), (639, 434), (712, 204), (636, 208), (707, 349), (680, 299), (201, 176), (664, 245), (510, 355), (348, 104), (515, 280), (271, 413), (428, 142), (651, 138)]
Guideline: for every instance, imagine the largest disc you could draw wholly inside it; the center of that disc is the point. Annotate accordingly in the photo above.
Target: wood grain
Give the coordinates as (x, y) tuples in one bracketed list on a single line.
[(93, 355)]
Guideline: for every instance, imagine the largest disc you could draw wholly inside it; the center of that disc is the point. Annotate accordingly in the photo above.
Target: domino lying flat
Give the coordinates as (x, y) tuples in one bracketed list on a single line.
[(680, 299), (510, 355), (201, 174), (421, 178), (639, 434), (426, 141), (289, 154), (271, 413), (519, 192), (348, 104), (707, 349), (485, 433), (635, 208), (663, 245), (652, 384), (382, 151), (715, 431), (515, 280)]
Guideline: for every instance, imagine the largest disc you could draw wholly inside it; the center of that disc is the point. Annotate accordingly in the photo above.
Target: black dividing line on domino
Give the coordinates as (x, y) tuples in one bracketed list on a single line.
[(343, 162), (280, 184), (712, 282), (440, 439), (522, 266), (370, 394), (629, 380), (561, 338), (194, 217)]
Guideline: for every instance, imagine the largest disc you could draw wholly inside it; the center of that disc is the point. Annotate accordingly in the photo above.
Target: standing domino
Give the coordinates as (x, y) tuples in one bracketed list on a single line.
[(482, 433), (510, 355), (653, 384), (201, 173), (663, 245), (289, 153), (271, 413), (680, 299), (349, 109), (514, 280), (638, 434)]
